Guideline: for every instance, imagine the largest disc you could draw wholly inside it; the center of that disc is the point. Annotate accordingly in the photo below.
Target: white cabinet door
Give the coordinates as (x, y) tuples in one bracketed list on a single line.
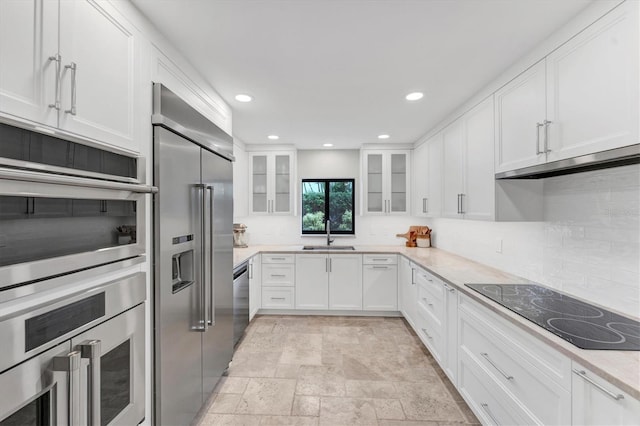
[(478, 201), (28, 38), (386, 182), (452, 164), (597, 402), (420, 184), (434, 178), (345, 282), (255, 285), (592, 87), (312, 281), (380, 288), (520, 111), (271, 179), (98, 97), (450, 334), (408, 290)]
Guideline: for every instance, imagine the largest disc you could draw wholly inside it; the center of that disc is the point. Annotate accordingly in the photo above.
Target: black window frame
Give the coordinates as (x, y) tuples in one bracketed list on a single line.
[(327, 183)]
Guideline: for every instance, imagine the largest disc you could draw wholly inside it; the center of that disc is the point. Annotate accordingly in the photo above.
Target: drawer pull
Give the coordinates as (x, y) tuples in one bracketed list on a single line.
[(278, 275), (583, 374), (485, 407), (277, 298), (278, 258), (380, 267), (424, 330), (379, 260), (486, 356), (449, 289), (427, 302)]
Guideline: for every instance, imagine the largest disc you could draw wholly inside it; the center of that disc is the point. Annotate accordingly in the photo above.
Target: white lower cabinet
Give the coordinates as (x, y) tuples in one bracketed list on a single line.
[(408, 290), (380, 283), (329, 281), (597, 402), (345, 282), (278, 281), (312, 281), (255, 285), (526, 376)]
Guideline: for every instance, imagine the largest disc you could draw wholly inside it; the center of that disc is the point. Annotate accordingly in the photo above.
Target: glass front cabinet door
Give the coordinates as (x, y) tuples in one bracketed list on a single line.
[(271, 180), (386, 181)]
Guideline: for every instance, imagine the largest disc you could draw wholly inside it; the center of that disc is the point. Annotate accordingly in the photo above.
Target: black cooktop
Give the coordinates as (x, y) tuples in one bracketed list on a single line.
[(582, 324)]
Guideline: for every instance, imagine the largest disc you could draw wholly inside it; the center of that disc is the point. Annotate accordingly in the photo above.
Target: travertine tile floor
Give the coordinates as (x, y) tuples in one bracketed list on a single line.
[(321, 370)]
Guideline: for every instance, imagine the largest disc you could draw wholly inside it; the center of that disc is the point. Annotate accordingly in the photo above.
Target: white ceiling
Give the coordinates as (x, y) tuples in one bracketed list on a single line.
[(337, 70)]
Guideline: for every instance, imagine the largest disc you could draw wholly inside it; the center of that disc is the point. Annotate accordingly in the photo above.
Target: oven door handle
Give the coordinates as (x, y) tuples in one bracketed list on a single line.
[(68, 370), (31, 176), (92, 351)]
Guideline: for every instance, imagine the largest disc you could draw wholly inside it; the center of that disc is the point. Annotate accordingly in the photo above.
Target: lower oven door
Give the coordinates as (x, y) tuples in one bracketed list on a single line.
[(115, 371), (33, 393)]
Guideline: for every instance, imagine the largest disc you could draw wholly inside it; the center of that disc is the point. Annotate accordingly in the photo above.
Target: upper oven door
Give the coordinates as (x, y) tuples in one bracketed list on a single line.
[(55, 224)]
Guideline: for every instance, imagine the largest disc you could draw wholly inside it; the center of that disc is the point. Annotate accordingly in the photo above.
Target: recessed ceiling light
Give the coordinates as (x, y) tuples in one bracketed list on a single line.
[(244, 98), (383, 136), (274, 137), (327, 144), (414, 96)]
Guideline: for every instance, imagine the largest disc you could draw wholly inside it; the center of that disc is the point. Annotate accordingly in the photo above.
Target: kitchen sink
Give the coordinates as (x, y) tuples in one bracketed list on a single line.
[(328, 248)]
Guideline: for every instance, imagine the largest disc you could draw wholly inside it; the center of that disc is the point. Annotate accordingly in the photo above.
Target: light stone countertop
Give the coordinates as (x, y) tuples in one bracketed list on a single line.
[(621, 368)]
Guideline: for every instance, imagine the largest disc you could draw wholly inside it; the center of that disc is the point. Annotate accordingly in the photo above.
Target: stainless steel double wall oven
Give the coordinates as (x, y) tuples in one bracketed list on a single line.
[(72, 288)]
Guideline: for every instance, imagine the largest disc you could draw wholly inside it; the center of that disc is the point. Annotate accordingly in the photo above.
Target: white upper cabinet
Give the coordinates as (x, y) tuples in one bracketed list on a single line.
[(72, 66), (28, 48), (520, 111), (468, 176), (386, 181), (582, 98), (592, 87), (271, 178), (427, 177)]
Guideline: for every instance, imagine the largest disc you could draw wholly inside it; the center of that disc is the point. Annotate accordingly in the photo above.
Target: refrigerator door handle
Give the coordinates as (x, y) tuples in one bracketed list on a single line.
[(203, 323), (211, 320)]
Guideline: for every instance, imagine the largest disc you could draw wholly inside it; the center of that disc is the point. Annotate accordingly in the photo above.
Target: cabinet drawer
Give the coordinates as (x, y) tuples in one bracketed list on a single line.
[(274, 275), (277, 297), (431, 294), (544, 398), (491, 404), (431, 333), (277, 258), (542, 356), (380, 259)]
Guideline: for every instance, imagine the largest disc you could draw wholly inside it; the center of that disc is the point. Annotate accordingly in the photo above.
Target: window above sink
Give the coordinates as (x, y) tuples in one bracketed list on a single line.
[(332, 199)]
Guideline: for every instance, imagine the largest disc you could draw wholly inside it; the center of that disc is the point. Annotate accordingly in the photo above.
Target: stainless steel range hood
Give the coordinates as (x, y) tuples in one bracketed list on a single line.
[(600, 160)]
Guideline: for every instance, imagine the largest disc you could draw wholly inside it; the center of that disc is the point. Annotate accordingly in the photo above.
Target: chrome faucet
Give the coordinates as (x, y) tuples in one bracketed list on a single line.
[(328, 225)]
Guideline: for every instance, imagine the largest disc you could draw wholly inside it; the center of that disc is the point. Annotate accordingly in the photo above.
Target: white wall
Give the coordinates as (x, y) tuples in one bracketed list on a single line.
[(588, 245)]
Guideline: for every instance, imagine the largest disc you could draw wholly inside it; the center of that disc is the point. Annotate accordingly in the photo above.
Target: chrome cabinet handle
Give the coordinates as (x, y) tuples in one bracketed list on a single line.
[(458, 203), (546, 136), (449, 289), (427, 302), (278, 258), (378, 259), (326, 264), (330, 265), (462, 203), (73, 67), (583, 374), (91, 350), (277, 298), (212, 294), (485, 407), (277, 276), (413, 276), (538, 125), (250, 271), (56, 101), (72, 365), (424, 330), (486, 356), (379, 267)]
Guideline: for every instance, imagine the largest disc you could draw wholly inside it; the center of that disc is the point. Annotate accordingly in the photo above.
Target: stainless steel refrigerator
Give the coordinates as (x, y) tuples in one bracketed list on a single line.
[(193, 257)]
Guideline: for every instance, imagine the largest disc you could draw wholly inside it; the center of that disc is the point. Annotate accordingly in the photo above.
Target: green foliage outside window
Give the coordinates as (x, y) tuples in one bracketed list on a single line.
[(328, 198)]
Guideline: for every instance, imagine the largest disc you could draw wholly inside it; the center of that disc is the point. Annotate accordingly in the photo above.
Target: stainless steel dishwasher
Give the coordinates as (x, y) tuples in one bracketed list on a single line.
[(240, 301)]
